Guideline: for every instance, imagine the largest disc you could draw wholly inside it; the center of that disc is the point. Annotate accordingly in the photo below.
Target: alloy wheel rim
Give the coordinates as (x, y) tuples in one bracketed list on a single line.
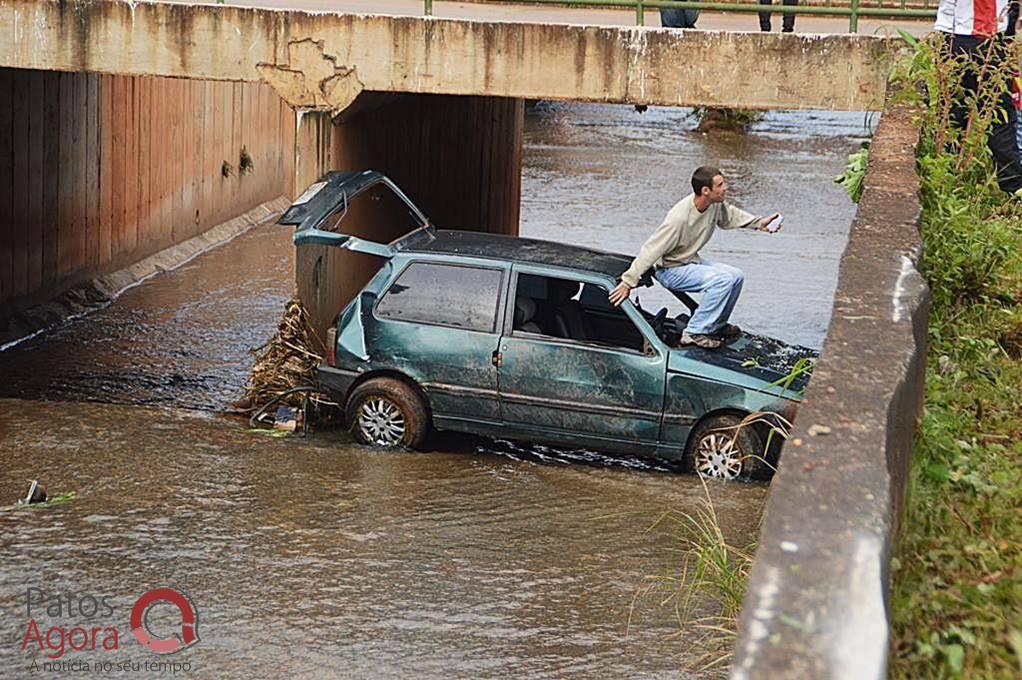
[(718, 456), (381, 421)]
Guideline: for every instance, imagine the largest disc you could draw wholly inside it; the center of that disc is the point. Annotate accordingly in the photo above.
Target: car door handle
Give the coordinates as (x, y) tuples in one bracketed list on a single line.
[(497, 358)]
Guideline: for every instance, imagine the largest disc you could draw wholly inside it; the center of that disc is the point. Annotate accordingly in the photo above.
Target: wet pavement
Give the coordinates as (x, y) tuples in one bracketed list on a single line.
[(318, 557), (179, 339)]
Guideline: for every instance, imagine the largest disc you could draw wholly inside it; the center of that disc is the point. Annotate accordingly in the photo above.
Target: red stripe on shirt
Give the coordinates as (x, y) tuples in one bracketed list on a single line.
[(984, 17)]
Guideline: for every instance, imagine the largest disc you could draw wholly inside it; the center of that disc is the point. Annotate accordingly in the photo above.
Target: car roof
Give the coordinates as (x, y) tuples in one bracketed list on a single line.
[(515, 249)]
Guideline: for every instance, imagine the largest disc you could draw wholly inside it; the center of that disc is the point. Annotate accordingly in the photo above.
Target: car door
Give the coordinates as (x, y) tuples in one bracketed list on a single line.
[(607, 387), (438, 323)]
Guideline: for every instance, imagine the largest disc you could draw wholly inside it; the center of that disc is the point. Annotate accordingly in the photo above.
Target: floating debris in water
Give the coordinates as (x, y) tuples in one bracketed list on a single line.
[(36, 498), (36, 493)]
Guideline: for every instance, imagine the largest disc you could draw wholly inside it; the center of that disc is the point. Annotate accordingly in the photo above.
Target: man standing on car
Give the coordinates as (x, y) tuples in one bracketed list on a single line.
[(674, 250)]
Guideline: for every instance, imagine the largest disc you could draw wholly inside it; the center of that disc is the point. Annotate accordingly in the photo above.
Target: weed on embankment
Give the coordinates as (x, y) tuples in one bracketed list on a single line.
[(956, 601), (709, 574)]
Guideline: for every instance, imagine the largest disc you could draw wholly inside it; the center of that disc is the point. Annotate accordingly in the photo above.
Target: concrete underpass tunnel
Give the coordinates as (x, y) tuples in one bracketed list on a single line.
[(458, 158), (99, 172)]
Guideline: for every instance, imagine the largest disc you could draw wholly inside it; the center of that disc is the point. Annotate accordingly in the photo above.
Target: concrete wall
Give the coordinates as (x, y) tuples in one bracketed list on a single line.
[(816, 604), (98, 172), (457, 158), (324, 60)]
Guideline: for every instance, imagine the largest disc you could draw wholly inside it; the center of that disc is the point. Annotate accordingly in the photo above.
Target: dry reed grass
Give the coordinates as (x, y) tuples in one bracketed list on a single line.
[(288, 360)]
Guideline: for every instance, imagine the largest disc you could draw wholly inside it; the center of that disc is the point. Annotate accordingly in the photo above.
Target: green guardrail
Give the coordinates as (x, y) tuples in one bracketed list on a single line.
[(853, 11)]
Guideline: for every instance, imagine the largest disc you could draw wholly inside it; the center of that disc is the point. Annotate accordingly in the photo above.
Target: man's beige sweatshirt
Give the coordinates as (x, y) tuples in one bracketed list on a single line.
[(684, 231)]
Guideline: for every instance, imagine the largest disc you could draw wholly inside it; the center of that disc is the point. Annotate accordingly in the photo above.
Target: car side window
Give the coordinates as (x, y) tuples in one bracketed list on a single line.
[(444, 295), (571, 310)]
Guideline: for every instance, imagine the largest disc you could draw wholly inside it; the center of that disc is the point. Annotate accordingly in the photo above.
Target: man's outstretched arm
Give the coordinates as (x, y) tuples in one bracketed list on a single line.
[(733, 217)]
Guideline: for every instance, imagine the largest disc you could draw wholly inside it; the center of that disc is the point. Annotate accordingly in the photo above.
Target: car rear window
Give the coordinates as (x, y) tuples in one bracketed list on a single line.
[(444, 295)]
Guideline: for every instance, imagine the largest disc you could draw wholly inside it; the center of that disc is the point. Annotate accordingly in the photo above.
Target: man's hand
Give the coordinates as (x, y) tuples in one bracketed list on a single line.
[(619, 294), (764, 224)]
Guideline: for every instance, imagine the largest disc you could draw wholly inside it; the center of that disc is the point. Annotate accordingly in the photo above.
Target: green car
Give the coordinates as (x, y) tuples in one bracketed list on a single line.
[(514, 338)]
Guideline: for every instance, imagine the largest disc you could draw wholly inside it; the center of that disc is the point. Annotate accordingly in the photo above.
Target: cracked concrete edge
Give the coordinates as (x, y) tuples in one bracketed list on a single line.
[(816, 602), (311, 78), (101, 291)]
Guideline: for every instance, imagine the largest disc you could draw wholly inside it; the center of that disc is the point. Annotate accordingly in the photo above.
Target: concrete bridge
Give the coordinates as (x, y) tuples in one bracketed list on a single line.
[(443, 94), (129, 130), (323, 61)]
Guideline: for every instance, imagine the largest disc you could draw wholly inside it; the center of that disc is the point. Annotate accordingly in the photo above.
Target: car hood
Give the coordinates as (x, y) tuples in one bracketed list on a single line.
[(753, 361)]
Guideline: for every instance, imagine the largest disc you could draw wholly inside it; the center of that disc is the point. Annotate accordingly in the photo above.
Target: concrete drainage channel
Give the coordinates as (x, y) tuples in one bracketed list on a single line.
[(816, 603)]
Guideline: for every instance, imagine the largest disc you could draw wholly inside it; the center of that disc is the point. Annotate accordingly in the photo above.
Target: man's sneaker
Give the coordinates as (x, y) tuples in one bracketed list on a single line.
[(699, 340), (728, 331)]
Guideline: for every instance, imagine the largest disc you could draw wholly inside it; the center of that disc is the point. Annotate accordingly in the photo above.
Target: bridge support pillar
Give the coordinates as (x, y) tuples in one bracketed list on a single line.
[(457, 157)]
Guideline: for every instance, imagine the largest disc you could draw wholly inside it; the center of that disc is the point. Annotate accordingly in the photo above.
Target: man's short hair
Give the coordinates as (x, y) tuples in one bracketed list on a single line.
[(703, 177)]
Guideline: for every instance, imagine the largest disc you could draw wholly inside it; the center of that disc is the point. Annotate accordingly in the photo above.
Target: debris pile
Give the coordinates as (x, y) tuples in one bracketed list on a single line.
[(36, 497), (286, 362)]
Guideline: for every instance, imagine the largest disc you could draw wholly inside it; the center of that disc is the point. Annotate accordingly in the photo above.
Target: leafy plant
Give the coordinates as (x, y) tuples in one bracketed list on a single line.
[(245, 163), (855, 172), (802, 367)]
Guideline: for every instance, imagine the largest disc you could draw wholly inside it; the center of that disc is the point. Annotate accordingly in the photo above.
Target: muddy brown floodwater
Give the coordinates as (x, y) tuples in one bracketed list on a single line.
[(317, 557)]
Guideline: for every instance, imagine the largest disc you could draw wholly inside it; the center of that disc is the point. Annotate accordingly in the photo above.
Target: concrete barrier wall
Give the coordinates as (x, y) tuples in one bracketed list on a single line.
[(98, 172), (816, 604)]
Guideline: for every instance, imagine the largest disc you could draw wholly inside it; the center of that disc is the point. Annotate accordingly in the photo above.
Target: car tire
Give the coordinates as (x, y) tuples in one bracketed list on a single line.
[(719, 449), (387, 412)]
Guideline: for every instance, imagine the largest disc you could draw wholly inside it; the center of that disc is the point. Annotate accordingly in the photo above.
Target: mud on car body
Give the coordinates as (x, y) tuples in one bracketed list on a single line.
[(514, 338)]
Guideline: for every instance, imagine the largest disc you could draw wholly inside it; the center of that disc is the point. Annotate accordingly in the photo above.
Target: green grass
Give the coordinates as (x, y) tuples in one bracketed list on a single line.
[(709, 574), (957, 577), (958, 581)]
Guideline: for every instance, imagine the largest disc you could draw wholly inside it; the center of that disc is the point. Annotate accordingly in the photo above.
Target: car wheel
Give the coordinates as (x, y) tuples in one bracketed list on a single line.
[(719, 449), (387, 412)]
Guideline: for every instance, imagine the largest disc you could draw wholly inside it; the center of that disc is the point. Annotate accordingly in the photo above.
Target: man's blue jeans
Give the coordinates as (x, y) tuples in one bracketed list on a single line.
[(720, 283)]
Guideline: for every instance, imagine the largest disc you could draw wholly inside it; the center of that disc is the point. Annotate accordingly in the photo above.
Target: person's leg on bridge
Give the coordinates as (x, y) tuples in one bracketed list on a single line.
[(788, 22), (764, 17), (678, 18)]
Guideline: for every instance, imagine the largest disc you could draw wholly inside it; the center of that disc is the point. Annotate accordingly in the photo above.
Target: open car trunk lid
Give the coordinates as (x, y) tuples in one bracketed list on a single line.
[(333, 192)]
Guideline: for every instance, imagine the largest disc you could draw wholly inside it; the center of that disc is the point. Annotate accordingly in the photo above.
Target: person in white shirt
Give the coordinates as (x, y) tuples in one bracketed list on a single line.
[(674, 250), (974, 30)]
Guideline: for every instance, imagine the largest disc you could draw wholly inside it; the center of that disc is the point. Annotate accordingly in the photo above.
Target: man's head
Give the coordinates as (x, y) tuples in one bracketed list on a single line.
[(709, 183)]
